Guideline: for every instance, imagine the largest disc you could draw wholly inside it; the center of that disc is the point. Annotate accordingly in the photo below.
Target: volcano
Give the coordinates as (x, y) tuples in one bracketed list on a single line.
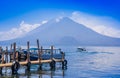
[(65, 31)]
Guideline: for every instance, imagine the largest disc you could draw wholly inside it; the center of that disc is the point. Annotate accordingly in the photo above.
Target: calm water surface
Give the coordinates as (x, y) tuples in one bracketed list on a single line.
[(97, 62)]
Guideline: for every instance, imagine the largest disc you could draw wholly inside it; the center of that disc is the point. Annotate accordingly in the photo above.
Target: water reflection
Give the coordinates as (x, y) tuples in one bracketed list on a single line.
[(58, 72)]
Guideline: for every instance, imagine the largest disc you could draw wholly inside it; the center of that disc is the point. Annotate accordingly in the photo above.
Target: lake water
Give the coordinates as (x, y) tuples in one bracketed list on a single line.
[(97, 62)]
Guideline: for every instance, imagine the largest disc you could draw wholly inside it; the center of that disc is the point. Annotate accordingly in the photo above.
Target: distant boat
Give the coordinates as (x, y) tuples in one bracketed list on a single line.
[(79, 49)]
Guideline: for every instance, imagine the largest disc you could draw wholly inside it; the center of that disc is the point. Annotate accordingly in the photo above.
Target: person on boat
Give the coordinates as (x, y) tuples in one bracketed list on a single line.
[(5, 57)]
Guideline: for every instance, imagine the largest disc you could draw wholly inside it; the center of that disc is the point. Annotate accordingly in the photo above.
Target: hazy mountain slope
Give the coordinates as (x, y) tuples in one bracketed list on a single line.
[(67, 32)]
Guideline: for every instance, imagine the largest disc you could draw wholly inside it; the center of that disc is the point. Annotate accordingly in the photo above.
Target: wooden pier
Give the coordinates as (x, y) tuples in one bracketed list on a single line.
[(32, 62), (16, 61)]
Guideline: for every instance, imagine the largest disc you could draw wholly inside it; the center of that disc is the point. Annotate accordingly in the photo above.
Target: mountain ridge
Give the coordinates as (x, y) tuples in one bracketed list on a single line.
[(67, 32)]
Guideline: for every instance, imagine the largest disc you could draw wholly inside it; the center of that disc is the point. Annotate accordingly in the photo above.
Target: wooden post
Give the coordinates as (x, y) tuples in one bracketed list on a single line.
[(52, 64), (14, 45), (39, 54), (0, 49), (6, 58), (51, 52), (64, 61), (28, 50), (63, 56), (41, 51), (11, 52), (1, 61), (28, 56), (1, 70), (6, 54), (38, 50), (11, 48)]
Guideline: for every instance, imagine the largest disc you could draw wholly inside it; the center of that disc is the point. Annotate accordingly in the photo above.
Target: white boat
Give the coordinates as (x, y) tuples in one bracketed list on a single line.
[(79, 49)]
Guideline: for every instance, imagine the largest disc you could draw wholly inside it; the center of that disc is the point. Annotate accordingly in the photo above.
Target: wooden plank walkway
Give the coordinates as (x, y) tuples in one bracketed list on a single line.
[(32, 62)]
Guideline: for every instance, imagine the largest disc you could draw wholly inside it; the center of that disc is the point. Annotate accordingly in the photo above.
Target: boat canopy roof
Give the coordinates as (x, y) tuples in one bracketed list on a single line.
[(33, 48)]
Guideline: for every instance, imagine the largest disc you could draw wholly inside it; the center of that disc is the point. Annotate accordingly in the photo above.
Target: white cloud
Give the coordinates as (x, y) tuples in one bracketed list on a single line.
[(101, 24), (43, 22), (58, 19), (18, 32)]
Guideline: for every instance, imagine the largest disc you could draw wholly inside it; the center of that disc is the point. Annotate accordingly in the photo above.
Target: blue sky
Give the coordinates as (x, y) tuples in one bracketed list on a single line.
[(13, 8), (13, 12)]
